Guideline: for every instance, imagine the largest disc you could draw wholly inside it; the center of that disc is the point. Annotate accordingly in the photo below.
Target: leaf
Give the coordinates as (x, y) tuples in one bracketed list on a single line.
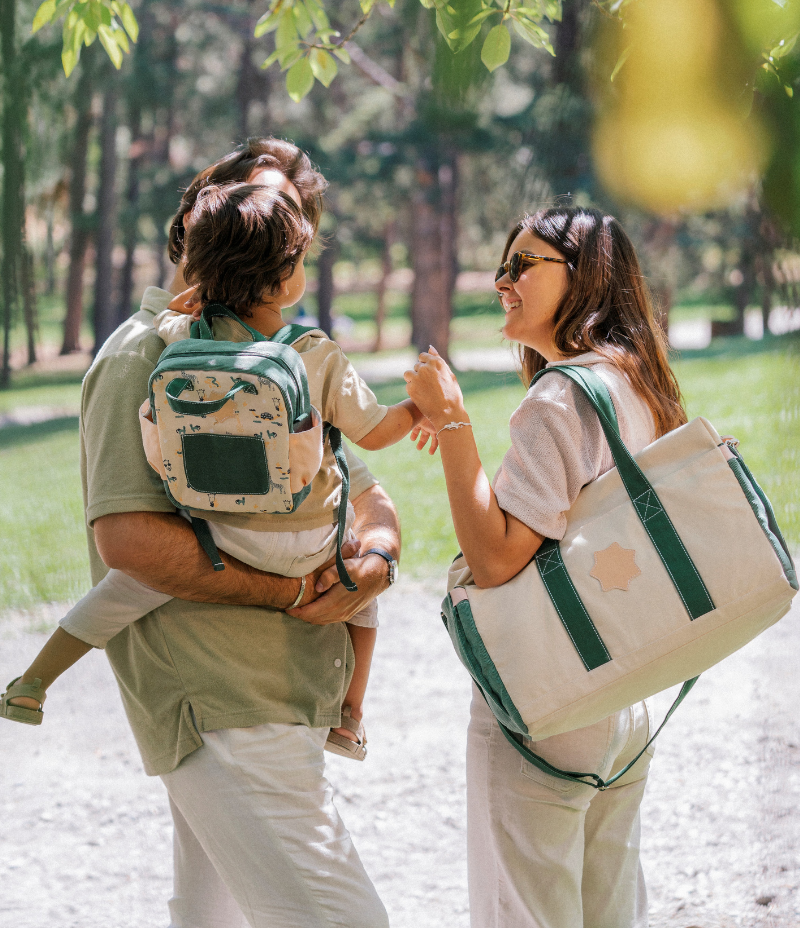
[(302, 19), (91, 14), (789, 90), (44, 14), (342, 54), (292, 58), (479, 18), (784, 47), (620, 62), (496, 47), (533, 34), (323, 66), (428, 4), (129, 22), (455, 21), (121, 39), (299, 79), (109, 43), (286, 38), (271, 60), (269, 21), (366, 6), (317, 13)]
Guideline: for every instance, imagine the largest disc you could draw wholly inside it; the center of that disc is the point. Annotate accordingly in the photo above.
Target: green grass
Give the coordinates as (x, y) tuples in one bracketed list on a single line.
[(747, 389)]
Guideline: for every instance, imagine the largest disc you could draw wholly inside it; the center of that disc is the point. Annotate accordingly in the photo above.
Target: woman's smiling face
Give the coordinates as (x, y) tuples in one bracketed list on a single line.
[(530, 304)]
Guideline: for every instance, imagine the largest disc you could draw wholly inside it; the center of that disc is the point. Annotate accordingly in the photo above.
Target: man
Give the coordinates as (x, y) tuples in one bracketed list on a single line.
[(230, 704)]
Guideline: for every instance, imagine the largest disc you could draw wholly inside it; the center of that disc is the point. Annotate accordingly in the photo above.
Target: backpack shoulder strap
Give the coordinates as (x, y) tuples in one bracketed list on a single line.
[(292, 332)]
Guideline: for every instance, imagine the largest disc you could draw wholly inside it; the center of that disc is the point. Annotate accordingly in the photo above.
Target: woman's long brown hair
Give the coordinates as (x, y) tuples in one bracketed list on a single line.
[(607, 307)]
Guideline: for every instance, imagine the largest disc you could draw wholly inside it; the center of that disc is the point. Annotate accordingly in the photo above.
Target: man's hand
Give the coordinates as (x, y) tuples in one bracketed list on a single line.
[(376, 526), (336, 604)]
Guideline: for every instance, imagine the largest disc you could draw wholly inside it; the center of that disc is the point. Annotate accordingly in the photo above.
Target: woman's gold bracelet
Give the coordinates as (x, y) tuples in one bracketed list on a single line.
[(455, 425)]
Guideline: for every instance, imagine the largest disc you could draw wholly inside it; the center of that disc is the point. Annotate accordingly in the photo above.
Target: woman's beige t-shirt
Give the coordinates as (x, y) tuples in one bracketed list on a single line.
[(558, 445)]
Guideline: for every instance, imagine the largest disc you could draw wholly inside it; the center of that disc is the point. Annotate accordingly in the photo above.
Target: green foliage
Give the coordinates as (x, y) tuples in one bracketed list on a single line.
[(306, 45), (496, 47), (112, 21)]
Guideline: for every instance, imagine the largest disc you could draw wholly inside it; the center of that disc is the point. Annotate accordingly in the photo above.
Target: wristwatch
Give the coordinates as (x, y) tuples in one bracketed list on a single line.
[(393, 568)]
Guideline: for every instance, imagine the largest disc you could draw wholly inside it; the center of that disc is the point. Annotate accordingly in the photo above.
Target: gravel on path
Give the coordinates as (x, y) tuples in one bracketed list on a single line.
[(86, 836)]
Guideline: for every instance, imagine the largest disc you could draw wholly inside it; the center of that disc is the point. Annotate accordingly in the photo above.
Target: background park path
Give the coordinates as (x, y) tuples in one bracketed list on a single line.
[(86, 837)]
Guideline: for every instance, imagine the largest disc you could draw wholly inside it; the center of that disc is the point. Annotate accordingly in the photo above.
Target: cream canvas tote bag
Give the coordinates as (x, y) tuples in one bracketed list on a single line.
[(671, 561)]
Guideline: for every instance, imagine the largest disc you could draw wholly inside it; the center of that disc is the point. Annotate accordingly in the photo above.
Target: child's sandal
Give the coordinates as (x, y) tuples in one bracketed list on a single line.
[(20, 713), (344, 747)]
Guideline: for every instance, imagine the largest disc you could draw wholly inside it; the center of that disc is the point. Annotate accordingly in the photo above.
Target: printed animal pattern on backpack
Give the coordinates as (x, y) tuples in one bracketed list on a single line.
[(232, 460)]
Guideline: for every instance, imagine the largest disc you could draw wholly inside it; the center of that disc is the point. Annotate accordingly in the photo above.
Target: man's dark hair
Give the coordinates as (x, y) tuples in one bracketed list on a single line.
[(237, 167), (244, 240)]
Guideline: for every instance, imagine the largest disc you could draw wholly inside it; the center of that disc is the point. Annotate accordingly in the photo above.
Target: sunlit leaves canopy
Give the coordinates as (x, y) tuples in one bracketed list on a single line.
[(306, 47)]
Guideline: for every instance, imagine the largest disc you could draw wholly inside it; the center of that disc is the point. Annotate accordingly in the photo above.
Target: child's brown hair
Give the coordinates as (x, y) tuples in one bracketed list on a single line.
[(256, 154), (244, 241)]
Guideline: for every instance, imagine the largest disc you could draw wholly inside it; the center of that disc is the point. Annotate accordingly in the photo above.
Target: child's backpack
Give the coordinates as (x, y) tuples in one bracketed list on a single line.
[(231, 427)]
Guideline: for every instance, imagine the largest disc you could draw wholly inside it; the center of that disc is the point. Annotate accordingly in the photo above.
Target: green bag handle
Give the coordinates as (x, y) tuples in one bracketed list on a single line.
[(196, 408), (658, 525), (591, 779)]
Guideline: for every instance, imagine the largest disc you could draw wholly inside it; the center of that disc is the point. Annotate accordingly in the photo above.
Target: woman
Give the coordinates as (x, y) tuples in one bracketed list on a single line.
[(544, 852)]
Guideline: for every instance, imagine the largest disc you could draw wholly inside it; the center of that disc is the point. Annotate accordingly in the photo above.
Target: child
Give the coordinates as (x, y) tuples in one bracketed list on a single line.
[(245, 249)]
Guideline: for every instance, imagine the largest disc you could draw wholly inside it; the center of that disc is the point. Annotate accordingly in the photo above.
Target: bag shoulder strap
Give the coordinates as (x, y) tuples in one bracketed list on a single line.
[(658, 525), (591, 779), (293, 332)]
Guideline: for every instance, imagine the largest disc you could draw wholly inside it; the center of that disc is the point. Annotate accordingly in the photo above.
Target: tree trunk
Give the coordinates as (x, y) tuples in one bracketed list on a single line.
[(432, 254), (13, 222), (130, 217), (104, 320), (80, 223), (380, 292), (29, 302), (325, 264)]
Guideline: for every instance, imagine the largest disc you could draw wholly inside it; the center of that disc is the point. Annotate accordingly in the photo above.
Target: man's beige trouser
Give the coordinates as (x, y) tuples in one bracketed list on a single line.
[(258, 841)]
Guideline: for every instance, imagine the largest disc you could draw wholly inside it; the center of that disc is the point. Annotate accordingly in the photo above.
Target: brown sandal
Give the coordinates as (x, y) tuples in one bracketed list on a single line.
[(344, 747)]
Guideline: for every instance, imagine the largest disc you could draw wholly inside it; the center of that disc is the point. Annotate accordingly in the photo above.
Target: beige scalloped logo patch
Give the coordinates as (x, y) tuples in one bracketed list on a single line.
[(615, 567)]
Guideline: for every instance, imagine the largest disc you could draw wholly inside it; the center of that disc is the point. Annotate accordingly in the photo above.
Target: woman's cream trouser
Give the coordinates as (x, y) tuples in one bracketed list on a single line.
[(258, 840), (546, 853)]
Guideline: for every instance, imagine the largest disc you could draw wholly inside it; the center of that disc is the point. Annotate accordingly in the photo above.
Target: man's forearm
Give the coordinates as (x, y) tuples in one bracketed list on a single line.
[(377, 524), (161, 550)]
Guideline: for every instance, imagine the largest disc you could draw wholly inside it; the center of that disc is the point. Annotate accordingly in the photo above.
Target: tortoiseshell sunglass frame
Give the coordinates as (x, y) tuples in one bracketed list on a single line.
[(516, 263)]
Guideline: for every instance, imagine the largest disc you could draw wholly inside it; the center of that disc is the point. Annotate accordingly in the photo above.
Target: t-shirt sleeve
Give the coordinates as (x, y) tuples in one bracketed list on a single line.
[(118, 477), (172, 326), (556, 446), (354, 409)]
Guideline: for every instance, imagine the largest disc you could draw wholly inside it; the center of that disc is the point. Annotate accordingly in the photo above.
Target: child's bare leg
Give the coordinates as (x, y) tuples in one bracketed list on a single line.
[(363, 640), (60, 652)]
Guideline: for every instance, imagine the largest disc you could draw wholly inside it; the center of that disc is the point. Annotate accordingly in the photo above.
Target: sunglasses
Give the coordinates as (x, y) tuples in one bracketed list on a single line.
[(519, 261)]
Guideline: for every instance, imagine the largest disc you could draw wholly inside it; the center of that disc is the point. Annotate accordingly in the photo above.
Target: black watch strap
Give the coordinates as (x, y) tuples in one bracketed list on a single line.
[(393, 572)]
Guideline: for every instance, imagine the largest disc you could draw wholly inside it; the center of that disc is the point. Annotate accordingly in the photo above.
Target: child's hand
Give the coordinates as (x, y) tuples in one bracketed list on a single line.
[(187, 303), (435, 391), (421, 432)]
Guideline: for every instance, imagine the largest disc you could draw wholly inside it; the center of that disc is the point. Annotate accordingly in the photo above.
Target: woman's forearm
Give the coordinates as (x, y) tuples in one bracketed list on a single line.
[(496, 546)]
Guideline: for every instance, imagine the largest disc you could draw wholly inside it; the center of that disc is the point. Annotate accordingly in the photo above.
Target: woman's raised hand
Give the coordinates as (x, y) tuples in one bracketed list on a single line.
[(435, 391)]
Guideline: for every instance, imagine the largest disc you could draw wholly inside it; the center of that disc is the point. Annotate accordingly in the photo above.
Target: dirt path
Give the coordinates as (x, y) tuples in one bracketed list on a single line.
[(86, 836)]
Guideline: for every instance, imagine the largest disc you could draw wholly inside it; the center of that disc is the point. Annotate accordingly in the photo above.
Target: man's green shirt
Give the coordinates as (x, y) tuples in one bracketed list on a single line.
[(232, 666)]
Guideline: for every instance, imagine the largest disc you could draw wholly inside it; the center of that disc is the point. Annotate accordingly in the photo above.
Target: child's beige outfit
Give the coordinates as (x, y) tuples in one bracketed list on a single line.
[(288, 544)]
